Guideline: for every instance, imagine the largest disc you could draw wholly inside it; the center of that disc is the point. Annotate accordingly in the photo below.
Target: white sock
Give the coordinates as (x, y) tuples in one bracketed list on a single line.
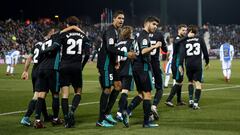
[(225, 72), (229, 74), (167, 78), (174, 82), (119, 114), (154, 107), (11, 70), (8, 69), (195, 104), (191, 101)]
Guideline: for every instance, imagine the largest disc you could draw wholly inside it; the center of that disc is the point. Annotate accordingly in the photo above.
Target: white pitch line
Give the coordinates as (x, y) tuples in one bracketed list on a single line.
[(90, 103)]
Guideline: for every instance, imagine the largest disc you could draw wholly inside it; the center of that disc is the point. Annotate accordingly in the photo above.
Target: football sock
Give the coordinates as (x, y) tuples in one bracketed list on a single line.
[(179, 93), (147, 110), (197, 95), (123, 102), (157, 97), (103, 105), (65, 107), (112, 99), (11, 70), (75, 102), (31, 108), (8, 69), (39, 106), (167, 78), (44, 109), (190, 91), (172, 93), (228, 73), (225, 72), (55, 106), (135, 102)]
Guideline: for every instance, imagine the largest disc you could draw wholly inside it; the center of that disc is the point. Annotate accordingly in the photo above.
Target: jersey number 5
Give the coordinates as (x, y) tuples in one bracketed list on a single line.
[(193, 49), (73, 43)]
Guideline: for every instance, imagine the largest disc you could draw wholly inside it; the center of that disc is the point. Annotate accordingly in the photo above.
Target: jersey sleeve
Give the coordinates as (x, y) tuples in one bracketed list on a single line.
[(221, 53), (164, 46), (144, 43), (110, 38), (182, 52), (179, 40)]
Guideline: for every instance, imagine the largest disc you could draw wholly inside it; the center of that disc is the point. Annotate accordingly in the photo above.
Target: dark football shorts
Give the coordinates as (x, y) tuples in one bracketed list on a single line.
[(47, 80), (71, 75), (143, 80), (194, 74), (127, 82)]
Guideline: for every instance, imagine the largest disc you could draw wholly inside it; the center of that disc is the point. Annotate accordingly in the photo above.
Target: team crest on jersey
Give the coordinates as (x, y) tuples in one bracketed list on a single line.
[(144, 42), (111, 41)]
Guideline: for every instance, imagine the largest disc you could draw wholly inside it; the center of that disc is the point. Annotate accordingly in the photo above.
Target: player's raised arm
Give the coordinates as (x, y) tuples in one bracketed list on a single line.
[(146, 50), (71, 28)]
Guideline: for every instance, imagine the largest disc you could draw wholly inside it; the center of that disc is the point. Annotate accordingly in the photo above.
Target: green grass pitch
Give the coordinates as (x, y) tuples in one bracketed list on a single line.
[(219, 113)]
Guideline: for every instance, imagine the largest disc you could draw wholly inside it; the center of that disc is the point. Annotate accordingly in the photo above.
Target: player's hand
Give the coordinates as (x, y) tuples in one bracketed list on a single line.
[(131, 55), (207, 66), (190, 34), (157, 45), (180, 68), (24, 75), (117, 66)]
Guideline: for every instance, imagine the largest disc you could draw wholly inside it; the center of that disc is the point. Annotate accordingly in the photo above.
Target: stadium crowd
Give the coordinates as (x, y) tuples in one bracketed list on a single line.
[(25, 34)]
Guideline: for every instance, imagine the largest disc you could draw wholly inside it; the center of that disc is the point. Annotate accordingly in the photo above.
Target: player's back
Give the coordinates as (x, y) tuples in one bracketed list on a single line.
[(50, 59), (226, 52), (35, 52), (194, 47), (73, 43), (125, 63)]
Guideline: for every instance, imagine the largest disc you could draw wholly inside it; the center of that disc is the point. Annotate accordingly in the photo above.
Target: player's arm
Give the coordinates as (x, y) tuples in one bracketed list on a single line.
[(86, 52), (182, 52), (26, 67), (163, 46), (221, 53), (71, 28), (110, 36), (179, 40), (145, 49), (205, 53), (231, 51), (55, 45)]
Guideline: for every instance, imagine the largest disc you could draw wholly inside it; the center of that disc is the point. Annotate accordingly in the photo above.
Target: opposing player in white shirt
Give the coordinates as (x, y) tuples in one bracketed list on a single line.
[(226, 56), (168, 70), (8, 61), (14, 56)]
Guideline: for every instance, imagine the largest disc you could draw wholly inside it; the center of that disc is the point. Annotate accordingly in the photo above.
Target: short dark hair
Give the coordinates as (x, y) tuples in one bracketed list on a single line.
[(182, 26), (118, 12), (73, 20), (151, 19), (193, 29)]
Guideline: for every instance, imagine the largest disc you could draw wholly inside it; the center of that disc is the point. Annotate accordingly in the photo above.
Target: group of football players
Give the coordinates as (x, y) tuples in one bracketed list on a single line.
[(122, 60)]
